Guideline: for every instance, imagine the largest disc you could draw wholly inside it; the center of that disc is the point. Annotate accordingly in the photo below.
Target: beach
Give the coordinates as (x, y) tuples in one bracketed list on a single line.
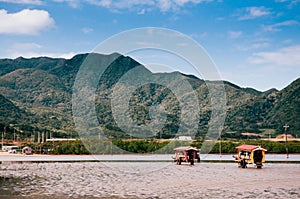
[(147, 180)]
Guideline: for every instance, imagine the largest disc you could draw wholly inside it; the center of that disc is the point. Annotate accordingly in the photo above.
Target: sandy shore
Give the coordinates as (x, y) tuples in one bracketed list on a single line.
[(148, 180)]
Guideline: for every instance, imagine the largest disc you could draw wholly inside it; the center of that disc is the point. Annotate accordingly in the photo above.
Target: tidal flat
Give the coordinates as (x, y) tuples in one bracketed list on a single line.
[(147, 180)]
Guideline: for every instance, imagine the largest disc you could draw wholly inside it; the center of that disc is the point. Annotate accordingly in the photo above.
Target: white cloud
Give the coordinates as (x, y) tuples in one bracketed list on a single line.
[(253, 12), (182, 2), (234, 34), (165, 5), (87, 30), (120, 5), (291, 4), (45, 54), (27, 21), (33, 2), (71, 3), (288, 56), (277, 27), (259, 45), (287, 41), (254, 46), (31, 49), (26, 46), (139, 6), (141, 12), (198, 35), (294, 2), (102, 3), (30, 54)]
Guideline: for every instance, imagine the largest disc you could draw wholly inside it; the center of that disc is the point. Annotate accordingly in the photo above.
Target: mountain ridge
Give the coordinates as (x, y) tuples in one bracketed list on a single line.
[(42, 87)]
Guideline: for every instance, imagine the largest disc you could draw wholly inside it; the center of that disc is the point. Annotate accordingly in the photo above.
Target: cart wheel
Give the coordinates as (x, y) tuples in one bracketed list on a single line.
[(179, 162), (259, 166), (198, 160), (192, 162), (243, 164)]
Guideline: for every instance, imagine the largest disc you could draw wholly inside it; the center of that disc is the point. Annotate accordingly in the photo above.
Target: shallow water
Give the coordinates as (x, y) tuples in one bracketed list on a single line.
[(148, 180), (133, 157)]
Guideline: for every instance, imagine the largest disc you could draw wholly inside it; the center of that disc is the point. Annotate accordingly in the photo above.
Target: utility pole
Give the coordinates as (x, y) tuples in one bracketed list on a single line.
[(3, 132), (43, 137), (2, 141), (286, 142), (111, 144), (39, 137), (220, 147), (14, 134)]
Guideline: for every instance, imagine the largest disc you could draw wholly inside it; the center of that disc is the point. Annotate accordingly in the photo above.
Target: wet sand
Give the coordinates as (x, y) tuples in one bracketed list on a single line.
[(148, 180)]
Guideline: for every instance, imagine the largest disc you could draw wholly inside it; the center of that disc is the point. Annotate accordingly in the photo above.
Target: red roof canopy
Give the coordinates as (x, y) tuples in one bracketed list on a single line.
[(186, 148), (247, 147)]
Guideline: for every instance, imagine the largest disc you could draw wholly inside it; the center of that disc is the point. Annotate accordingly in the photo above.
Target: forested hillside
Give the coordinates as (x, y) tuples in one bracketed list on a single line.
[(36, 96)]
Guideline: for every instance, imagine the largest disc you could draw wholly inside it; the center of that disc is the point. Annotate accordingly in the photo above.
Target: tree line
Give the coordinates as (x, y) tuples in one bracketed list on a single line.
[(118, 146)]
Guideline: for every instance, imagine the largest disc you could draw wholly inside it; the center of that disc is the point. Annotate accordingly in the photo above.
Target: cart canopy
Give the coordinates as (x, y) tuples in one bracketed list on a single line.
[(247, 147), (186, 148)]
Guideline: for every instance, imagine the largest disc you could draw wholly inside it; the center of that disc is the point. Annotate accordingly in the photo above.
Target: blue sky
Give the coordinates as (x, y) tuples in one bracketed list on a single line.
[(253, 43)]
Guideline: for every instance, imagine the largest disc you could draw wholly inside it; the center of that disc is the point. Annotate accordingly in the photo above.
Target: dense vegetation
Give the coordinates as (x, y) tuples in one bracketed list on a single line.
[(150, 146), (273, 147), (36, 97)]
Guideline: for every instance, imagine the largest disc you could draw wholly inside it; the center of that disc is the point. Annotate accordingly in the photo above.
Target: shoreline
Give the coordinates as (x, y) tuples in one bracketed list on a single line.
[(211, 158)]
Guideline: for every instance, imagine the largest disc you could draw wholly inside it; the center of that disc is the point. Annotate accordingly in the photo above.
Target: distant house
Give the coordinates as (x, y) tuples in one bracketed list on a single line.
[(282, 136), (10, 149), (185, 138), (60, 139)]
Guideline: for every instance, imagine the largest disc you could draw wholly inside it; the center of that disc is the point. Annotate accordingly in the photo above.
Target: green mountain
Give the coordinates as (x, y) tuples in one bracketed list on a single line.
[(9, 111), (36, 95), (286, 109), (12, 114)]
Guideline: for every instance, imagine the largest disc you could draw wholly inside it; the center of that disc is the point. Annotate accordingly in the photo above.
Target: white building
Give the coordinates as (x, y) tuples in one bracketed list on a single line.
[(184, 138)]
